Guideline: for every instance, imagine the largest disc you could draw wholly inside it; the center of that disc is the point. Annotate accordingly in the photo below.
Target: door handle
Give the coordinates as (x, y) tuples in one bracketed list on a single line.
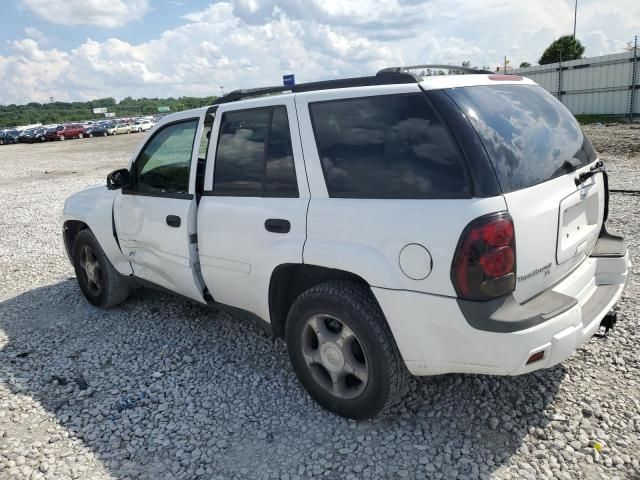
[(173, 221), (277, 225)]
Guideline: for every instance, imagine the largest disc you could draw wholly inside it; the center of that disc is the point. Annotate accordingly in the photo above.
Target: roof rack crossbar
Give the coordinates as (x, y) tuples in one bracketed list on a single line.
[(388, 78), (387, 70)]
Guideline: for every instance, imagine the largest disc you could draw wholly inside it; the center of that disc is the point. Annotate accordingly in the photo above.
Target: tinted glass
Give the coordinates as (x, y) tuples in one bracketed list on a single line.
[(239, 167), (529, 135), (280, 173), (164, 165), (254, 156), (391, 146)]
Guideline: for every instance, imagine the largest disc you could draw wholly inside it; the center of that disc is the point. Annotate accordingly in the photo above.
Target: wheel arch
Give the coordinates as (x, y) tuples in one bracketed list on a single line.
[(290, 280), (70, 230), (93, 209)]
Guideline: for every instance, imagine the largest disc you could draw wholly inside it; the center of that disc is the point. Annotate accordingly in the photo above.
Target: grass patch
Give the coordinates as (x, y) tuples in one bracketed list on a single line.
[(586, 119)]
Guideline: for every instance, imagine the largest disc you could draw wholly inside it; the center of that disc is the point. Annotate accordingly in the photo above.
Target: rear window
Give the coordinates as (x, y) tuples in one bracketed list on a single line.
[(389, 146), (529, 135)]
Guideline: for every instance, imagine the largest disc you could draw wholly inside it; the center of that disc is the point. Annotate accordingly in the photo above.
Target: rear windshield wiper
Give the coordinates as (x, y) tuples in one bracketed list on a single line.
[(567, 166), (597, 168)]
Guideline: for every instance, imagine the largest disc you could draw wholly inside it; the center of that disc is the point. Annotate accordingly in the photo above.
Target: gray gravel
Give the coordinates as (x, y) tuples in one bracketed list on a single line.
[(162, 388)]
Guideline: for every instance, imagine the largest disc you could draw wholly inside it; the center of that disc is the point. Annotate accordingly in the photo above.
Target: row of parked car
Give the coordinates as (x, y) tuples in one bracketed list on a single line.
[(74, 130)]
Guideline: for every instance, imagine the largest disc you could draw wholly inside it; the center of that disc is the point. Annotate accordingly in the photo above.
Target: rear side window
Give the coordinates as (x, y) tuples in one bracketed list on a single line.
[(529, 135), (254, 157), (390, 146)]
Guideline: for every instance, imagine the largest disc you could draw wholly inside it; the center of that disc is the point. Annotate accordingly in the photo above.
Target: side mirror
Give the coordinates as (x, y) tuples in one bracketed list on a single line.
[(119, 179)]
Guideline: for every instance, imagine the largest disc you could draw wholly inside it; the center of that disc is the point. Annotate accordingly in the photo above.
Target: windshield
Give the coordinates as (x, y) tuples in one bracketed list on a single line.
[(529, 135)]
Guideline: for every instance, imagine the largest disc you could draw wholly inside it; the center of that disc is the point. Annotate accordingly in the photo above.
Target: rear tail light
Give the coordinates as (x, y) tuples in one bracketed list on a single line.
[(484, 266)]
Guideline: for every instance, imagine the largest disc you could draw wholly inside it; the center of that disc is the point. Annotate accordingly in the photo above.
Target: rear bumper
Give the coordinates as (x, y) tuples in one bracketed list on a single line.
[(434, 336)]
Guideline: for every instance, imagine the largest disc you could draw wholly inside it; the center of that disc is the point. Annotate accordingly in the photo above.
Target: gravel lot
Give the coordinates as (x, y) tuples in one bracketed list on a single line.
[(162, 388)]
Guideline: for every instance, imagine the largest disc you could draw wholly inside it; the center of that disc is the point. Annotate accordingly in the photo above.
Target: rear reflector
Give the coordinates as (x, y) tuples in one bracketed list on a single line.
[(505, 77), (536, 357)]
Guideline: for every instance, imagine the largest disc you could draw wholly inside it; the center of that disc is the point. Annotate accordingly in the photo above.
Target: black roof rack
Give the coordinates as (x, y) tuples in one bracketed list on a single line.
[(422, 67), (382, 78)]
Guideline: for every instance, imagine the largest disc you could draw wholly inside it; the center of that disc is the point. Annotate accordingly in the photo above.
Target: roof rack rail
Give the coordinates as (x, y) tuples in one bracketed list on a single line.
[(388, 70), (389, 78)]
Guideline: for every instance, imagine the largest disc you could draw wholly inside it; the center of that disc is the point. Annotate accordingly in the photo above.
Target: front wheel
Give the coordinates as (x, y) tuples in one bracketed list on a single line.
[(101, 284), (61, 138), (343, 351), (80, 135)]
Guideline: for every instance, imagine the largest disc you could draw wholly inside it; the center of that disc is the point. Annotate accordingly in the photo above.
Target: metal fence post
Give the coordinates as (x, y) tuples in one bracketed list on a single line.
[(634, 79), (560, 81)]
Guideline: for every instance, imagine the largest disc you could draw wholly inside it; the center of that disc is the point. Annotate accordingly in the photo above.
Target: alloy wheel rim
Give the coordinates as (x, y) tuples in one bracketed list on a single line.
[(335, 356), (90, 268)]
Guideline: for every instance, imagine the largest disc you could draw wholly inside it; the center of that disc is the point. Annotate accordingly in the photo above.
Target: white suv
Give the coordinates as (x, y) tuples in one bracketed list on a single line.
[(382, 225), (141, 126)]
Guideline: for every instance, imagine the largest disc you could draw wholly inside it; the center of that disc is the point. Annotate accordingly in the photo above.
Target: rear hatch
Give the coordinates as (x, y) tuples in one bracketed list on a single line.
[(538, 149)]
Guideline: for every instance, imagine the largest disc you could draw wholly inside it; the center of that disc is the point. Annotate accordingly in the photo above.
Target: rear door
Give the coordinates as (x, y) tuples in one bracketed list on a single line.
[(252, 215), (156, 219), (538, 150)]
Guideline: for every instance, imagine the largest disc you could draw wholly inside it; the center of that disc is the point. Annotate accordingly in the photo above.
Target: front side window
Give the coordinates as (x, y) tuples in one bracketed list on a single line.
[(389, 146), (165, 163), (254, 155)]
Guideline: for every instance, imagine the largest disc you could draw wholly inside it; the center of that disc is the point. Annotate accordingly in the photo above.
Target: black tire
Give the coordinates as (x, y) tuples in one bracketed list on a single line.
[(356, 307), (113, 288)]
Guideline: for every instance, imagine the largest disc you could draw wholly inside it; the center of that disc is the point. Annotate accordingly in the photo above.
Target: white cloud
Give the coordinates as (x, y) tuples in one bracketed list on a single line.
[(248, 43), (32, 74), (37, 35), (99, 13)]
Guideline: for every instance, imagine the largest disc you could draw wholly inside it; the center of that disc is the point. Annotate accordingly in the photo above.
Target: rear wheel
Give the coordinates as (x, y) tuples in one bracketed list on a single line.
[(104, 134), (342, 350), (100, 282), (61, 138), (80, 135)]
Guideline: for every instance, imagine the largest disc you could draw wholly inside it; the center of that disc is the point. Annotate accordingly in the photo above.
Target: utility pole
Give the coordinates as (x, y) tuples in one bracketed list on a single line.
[(506, 62), (575, 15), (221, 91)]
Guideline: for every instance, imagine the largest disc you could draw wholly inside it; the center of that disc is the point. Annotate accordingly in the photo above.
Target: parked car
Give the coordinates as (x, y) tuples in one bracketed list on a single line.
[(122, 127), (381, 225), (39, 135), (9, 137), (26, 135), (141, 126), (110, 127), (96, 130), (64, 132)]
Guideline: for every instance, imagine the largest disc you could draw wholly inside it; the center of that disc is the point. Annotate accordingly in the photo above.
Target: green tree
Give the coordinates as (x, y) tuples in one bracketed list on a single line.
[(525, 65), (563, 49)]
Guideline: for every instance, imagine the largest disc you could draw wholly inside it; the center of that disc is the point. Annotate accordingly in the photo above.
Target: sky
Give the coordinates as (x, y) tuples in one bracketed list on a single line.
[(75, 50)]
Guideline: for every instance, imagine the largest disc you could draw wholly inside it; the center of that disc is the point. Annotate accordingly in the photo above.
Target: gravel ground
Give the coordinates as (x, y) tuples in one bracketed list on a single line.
[(162, 388)]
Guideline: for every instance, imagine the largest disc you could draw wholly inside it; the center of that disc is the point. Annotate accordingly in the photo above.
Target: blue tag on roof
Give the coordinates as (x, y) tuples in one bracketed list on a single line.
[(288, 80)]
